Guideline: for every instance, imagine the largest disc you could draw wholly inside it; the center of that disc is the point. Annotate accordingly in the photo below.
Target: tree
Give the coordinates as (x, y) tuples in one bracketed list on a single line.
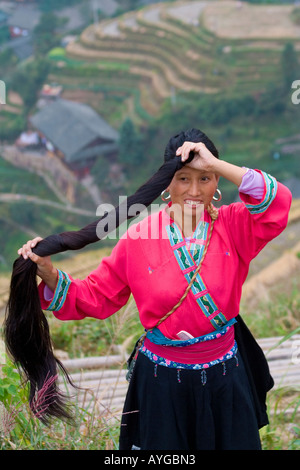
[(45, 34), (28, 80), (130, 146), (290, 66), (50, 5), (100, 171)]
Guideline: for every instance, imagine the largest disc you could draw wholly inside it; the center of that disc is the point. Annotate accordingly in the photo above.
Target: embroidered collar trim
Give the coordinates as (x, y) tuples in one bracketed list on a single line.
[(188, 260)]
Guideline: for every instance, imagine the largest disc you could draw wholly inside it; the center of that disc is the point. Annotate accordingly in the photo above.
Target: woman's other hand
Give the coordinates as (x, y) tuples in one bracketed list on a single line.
[(45, 268)]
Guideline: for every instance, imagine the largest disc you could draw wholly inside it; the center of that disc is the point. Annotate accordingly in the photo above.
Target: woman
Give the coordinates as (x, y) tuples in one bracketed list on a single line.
[(190, 387)]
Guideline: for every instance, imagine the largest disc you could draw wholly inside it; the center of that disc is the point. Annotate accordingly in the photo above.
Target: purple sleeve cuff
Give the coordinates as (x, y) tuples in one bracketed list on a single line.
[(252, 184), (48, 294)]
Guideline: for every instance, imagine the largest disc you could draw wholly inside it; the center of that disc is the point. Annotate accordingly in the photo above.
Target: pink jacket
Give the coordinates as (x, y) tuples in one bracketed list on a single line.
[(156, 269)]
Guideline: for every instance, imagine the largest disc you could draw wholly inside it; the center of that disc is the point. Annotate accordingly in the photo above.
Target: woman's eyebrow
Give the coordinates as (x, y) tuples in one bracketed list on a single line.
[(191, 170)]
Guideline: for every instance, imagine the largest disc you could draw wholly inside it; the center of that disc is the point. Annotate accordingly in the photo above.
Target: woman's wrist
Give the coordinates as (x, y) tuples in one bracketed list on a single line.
[(49, 278), (228, 171)]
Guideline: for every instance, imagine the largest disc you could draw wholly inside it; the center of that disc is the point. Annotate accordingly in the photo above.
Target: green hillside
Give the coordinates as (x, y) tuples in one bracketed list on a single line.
[(22, 219), (139, 59), (168, 72), (225, 67), (170, 67)]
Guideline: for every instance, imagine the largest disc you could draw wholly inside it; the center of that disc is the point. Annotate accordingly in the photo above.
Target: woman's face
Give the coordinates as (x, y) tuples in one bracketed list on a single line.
[(191, 191)]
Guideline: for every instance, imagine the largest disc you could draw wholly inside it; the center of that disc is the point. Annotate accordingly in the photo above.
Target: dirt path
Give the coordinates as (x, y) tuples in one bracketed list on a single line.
[(234, 19), (11, 198)]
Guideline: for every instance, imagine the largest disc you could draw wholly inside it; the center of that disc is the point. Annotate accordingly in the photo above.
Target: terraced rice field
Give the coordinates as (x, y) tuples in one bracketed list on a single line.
[(138, 60)]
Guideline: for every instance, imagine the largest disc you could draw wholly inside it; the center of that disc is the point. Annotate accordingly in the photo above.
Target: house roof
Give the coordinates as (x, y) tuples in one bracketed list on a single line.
[(71, 126), (3, 16)]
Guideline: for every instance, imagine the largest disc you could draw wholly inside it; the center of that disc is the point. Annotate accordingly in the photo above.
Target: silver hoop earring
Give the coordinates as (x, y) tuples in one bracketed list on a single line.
[(164, 197), (217, 199)]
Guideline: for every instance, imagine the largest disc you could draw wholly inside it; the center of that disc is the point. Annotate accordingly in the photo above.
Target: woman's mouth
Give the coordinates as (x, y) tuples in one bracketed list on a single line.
[(193, 203)]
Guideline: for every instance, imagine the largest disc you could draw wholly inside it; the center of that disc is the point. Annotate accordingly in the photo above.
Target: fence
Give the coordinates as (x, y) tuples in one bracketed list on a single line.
[(104, 385)]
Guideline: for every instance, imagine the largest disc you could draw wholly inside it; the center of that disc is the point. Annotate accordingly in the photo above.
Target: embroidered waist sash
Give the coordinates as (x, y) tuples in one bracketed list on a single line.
[(203, 350)]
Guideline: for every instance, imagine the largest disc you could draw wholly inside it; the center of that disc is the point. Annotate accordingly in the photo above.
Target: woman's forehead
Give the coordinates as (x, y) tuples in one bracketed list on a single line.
[(190, 169)]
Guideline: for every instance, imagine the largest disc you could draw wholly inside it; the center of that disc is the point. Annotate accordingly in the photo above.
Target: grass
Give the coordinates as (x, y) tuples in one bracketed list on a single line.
[(16, 180), (92, 337), (277, 316), (250, 141), (283, 430), (99, 431), (97, 427), (21, 430)]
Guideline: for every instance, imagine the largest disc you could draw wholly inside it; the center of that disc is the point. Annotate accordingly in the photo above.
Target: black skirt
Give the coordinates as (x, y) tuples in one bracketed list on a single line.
[(170, 409)]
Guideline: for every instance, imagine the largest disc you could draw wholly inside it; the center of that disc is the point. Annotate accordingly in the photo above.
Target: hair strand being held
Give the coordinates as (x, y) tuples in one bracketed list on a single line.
[(26, 329)]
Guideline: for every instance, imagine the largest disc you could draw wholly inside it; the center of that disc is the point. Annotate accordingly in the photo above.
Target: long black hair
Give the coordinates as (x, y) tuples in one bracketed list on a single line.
[(26, 330)]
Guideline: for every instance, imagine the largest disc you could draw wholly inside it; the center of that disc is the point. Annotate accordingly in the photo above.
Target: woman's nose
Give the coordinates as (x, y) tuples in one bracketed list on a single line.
[(194, 188)]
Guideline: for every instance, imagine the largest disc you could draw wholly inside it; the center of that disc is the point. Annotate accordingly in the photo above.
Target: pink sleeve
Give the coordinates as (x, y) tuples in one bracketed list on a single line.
[(252, 184), (254, 222), (102, 293)]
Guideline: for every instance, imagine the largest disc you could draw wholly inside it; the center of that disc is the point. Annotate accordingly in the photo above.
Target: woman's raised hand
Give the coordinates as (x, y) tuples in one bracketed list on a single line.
[(203, 160), (45, 269)]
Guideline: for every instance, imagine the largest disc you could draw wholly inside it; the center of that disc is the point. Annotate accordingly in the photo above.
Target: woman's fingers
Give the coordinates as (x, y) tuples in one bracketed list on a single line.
[(35, 258), (45, 268), (188, 147), (203, 158), (35, 241), (26, 249), (184, 151)]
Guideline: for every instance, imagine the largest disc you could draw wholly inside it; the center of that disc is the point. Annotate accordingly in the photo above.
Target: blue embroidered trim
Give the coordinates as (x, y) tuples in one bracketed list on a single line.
[(157, 337), (161, 361), (271, 190), (200, 233), (61, 291), (188, 264)]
